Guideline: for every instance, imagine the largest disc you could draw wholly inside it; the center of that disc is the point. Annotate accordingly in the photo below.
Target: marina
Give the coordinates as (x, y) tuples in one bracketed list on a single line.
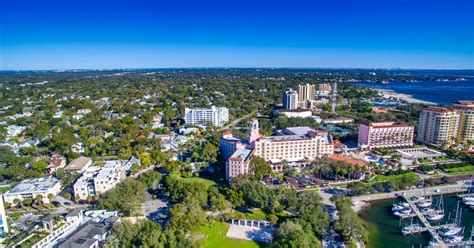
[(450, 227)]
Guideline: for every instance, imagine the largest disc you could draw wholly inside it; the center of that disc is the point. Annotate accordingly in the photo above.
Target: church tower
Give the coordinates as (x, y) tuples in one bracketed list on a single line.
[(254, 133)]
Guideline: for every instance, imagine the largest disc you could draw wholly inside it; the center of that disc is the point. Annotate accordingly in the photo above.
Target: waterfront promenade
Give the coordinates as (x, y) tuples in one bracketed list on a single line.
[(360, 201)]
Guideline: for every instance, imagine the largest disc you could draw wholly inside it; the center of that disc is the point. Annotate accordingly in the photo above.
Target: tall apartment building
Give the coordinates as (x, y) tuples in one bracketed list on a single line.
[(465, 110), (438, 126), (324, 89), (97, 180), (218, 116), (290, 99), (306, 92), (385, 135), (293, 145)]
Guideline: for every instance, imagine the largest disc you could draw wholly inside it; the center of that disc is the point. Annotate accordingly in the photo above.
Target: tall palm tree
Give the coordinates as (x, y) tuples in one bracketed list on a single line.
[(112, 241)]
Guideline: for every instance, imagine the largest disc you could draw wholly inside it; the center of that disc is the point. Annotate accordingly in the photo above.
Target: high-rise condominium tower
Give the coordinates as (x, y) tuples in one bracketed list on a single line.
[(290, 99)]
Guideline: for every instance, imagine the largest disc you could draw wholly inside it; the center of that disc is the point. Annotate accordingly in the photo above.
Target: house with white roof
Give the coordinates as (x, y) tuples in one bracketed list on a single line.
[(14, 130), (31, 188)]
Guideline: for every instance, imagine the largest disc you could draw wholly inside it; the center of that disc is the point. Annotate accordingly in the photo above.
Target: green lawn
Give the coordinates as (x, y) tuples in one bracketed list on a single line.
[(394, 177), (215, 237), (204, 181), (461, 169)]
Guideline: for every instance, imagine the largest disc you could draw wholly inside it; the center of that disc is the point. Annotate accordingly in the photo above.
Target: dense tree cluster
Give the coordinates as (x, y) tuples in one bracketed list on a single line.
[(348, 224)]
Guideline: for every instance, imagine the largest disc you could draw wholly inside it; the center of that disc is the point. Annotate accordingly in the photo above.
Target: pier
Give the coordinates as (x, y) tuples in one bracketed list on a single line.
[(427, 227), (426, 224)]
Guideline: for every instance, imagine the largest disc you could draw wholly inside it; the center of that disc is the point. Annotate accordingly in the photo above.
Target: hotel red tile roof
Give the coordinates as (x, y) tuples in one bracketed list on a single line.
[(348, 160)]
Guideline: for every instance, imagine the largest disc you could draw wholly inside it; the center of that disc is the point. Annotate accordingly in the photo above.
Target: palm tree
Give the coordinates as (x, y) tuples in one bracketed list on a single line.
[(112, 241), (27, 201), (16, 201), (50, 197), (38, 199), (67, 196)]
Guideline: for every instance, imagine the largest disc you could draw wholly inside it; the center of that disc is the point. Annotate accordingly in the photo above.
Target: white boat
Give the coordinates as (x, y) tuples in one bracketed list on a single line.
[(436, 216), (411, 228), (398, 213), (424, 204), (453, 239), (469, 203), (405, 204), (468, 198), (405, 211), (397, 208), (449, 231), (426, 211)]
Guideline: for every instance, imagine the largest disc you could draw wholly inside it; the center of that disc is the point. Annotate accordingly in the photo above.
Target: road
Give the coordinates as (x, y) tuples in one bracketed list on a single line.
[(237, 121)]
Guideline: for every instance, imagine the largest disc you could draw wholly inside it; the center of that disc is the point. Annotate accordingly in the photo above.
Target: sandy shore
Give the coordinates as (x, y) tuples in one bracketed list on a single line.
[(359, 205), (390, 93)]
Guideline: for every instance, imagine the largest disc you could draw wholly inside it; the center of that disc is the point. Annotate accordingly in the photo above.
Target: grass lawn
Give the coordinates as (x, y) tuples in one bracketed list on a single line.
[(424, 160), (204, 181), (215, 237), (394, 177), (461, 169)]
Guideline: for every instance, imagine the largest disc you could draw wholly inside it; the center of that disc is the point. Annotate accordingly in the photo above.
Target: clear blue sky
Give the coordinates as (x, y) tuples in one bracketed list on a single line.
[(227, 33)]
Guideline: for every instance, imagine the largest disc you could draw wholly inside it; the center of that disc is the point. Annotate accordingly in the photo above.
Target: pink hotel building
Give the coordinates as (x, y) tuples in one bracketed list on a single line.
[(295, 145), (385, 135)]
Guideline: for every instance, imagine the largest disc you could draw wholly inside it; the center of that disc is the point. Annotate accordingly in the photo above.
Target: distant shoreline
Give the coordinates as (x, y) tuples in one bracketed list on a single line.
[(408, 98)]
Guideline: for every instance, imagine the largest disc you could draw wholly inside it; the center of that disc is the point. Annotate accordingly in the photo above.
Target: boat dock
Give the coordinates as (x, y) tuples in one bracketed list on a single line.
[(426, 224)]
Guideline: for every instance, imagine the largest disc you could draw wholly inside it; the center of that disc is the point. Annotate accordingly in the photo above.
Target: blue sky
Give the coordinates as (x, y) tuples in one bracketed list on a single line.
[(228, 33)]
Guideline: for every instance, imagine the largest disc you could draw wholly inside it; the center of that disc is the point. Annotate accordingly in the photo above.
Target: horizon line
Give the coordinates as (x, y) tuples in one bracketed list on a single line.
[(239, 67)]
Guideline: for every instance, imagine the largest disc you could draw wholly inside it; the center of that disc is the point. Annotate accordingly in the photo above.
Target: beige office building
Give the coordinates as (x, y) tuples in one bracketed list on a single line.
[(306, 92)]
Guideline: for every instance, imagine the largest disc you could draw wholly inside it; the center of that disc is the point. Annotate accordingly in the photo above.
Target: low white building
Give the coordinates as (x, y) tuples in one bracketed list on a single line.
[(84, 111), (76, 229), (295, 113), (31, 188), (339, 120), (78, 148)]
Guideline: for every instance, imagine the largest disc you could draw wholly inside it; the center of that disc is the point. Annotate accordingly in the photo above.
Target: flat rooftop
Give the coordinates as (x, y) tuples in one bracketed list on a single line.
[(387, 124), (242, 153), (36, 185), (297, 130), (234, 139), (78, 163), (286, 137)]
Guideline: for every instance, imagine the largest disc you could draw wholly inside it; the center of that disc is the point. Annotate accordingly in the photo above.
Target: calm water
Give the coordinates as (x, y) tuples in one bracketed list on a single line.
[(384, 229), (437, 92)]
